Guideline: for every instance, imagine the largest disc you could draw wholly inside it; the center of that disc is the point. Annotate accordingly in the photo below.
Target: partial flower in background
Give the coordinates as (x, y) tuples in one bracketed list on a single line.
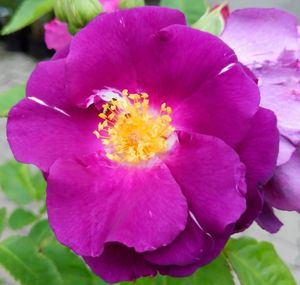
[(153, 144), (267, 41), (57, 35), (110, 5)]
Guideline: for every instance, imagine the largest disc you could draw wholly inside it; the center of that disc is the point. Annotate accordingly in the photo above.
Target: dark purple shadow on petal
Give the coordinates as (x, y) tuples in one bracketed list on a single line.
[(268, 220), (259, 152), (190, 246), (120, 263), (184, 271), (283, 191)]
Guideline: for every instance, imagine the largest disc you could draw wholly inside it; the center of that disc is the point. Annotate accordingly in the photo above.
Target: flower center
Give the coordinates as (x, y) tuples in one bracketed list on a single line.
[(132, 133)]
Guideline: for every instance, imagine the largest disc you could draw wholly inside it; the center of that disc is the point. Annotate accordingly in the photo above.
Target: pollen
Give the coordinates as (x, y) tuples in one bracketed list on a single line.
[(130, 131)]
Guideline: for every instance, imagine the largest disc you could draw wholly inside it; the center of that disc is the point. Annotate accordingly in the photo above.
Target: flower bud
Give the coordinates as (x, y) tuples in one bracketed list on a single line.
[(60, 10), (125, 4), (77, 12)]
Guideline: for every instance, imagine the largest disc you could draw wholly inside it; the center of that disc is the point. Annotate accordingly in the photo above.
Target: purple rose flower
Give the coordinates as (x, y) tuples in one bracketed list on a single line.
[(267, 41), (152, 140)]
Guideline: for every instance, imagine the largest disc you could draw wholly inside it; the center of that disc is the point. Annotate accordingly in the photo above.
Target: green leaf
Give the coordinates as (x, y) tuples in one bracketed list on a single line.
[(13, 181), (28, 12), (41, 233), (11, 4), (2, 219), (211, 22), (9, 98), (73, 270), (21, 183), (97, 281), (193, 9), (39, 185), (43, 209), (207, 274), (257, 263), (71, 267), (21, 218), (21, 258)]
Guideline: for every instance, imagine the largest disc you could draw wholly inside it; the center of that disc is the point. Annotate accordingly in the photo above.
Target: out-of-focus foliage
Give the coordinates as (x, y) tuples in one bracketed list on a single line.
[(9, 98), (21, 183), (27, 12), (193, 9), (11, 4), (2, 219), (21, 218)]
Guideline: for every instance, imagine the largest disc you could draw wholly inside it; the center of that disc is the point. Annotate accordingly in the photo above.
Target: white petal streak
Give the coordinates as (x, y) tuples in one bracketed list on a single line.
[(41, 102)]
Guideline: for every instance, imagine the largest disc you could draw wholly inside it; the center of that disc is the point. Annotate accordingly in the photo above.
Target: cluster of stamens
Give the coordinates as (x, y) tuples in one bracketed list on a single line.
[(132, 133)]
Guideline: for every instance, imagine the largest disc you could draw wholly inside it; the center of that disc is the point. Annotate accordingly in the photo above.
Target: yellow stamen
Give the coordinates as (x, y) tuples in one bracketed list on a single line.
[(111, 116), (125, 93), (102, 116), (97, 134), (132, 133)]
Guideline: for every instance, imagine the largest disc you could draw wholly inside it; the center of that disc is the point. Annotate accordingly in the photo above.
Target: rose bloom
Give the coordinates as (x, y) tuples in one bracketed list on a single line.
[(267, 41), (152, 140)]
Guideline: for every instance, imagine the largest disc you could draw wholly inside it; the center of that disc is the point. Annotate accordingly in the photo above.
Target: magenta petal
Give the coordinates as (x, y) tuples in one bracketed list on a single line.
[(57, 35), (47, 83), (174, 63), (103, 54), (62, 53), (190, 246), (223, 107), (268, 221), (40, 134), (283, 191), (259, 35), (212, 179), (264, 139), (119, 263), (90, 205)]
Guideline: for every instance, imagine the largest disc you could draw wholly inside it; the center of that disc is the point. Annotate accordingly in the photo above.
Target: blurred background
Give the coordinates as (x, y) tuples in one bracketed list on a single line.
[(289, 5), (30, 40), (19, 53)]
